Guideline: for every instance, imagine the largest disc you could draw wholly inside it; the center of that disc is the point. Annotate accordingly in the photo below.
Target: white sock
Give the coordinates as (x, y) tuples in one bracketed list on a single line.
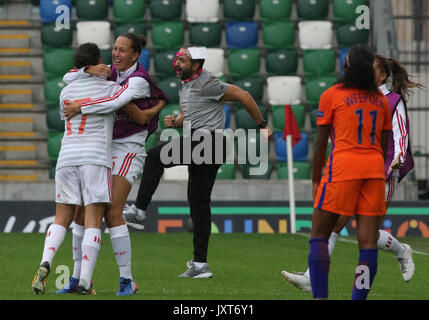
[(331, 245), (121, 245), (78, 232), (54, 238), (387, 242), (91, 244)]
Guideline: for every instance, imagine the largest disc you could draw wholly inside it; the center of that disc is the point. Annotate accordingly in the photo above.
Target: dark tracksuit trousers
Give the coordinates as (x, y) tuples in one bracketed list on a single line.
[(200, 184)]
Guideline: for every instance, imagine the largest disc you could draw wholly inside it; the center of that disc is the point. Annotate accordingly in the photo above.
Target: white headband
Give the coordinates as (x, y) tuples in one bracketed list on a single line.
[(198, 53)]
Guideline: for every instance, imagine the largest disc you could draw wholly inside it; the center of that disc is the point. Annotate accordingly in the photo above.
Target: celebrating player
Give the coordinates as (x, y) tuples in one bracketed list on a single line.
[(128, 147), (398, 163), (83, 171)]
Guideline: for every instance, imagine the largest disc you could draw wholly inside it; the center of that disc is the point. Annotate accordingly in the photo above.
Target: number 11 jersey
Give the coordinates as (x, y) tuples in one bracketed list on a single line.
[(357, 119)]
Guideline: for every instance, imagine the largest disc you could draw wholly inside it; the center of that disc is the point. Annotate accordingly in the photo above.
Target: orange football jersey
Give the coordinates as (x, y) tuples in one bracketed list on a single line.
[(357, 119)]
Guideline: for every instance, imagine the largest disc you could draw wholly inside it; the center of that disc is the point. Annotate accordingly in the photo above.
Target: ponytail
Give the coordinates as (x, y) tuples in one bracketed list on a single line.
[(401, 84)]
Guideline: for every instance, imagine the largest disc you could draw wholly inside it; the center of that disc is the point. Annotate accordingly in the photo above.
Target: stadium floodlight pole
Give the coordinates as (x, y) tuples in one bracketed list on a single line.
[(292, 214)]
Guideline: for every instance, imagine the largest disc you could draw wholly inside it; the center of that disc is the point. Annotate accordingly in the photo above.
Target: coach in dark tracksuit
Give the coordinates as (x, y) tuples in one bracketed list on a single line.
[(202, 98)]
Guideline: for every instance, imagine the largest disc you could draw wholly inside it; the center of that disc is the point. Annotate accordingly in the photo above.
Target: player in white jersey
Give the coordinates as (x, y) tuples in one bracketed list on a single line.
[(128, 151), (83, 172)]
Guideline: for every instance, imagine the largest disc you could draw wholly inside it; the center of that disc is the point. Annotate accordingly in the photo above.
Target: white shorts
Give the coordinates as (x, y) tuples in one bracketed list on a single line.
[(128, 160), (392, 185), (83, 185)]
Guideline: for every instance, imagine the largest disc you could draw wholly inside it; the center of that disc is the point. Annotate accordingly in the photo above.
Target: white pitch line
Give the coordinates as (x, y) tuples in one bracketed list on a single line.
[(355, 242)]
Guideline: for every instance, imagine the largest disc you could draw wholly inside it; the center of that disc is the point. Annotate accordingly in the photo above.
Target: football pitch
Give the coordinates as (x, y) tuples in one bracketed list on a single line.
[(245, 267)]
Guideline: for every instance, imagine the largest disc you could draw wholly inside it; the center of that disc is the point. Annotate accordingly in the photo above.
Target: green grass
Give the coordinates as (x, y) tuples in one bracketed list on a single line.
[(245, 266)]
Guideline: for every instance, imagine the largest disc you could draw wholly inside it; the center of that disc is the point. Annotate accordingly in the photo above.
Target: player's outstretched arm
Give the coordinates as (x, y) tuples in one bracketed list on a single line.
[(235, 93), (143, 116)]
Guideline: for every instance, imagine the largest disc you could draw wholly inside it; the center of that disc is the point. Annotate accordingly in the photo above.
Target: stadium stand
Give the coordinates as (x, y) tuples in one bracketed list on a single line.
[(92, 9), (202, 10), (273, 49), (241, 34), (129, 10), (312, 9)]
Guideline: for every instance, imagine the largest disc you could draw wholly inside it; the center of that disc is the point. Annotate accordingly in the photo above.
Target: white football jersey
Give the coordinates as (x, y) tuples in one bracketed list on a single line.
[(88, 137)]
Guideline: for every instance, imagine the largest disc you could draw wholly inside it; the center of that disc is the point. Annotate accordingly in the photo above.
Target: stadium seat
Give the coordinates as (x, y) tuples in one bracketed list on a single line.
[(48, 9), (343, 55), (299, 151), (283, 90), (275, 10), (253, 85), (319, 63), (279, 116), (314, 89), (202, 10), (177, 173), (144, 59), (278, 35), (243, 63), (54, 145), (226, 172), (215, 62), (301, 170), (246, 174), (91, 9), (57, 62), (97, 32), (313, 117), (170, 109), (53, 120), (167, 10), (163, 63), (244, 120), (227, 116), (281, 62), (315, 34), (151, 141), (345, 10), (312, 9), (248, 145), (128, 10), (242, 34), (238, 10), (205, 34), (53, 89), (106, 56), (167, 35), (133, 27), (348, 35), (53, 37)]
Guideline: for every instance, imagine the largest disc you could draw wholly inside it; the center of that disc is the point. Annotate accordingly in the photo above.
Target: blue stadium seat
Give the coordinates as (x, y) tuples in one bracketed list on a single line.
[(299, 152), (48, 9), (343, 55), (227, 116), (241, 34), (144, 59)]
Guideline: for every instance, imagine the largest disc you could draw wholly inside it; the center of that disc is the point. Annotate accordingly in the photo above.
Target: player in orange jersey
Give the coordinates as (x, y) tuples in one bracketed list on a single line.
[(356, 116)]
